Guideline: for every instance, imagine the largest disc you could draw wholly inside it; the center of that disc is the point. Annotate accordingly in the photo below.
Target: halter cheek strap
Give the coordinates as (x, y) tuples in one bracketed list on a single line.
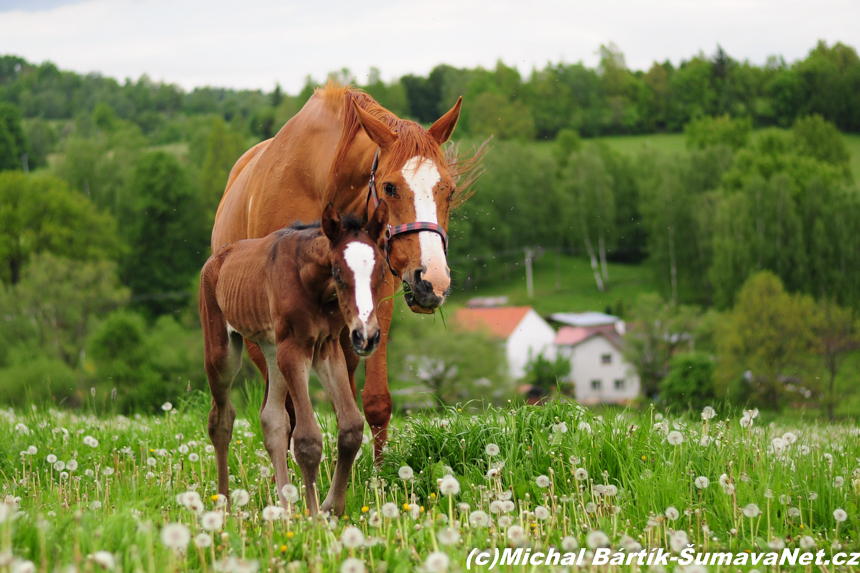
[(404, 228)]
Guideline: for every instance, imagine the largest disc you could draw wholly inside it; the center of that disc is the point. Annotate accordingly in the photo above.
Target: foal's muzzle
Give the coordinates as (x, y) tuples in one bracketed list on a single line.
[(362, 345)]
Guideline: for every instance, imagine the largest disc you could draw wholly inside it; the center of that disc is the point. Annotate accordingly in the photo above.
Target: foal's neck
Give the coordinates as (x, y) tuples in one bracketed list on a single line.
[(314, 264)]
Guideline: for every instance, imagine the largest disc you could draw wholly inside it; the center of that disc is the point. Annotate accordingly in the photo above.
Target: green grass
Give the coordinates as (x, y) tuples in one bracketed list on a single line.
[(566, 472), (578, 290)]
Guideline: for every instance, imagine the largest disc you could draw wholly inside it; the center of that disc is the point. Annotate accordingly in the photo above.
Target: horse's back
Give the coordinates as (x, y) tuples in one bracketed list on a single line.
[(280, 180)]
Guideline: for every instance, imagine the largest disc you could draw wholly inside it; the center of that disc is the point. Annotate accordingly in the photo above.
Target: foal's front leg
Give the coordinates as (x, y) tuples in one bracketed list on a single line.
[(293, 366), (350, 425)]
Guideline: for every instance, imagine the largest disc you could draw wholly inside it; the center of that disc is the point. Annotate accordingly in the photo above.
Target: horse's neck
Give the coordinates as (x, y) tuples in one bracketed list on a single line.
[(314, 263)]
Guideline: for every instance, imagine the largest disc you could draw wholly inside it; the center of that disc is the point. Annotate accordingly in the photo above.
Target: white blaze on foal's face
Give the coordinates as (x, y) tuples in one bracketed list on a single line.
[(361, 261), (422, 176)]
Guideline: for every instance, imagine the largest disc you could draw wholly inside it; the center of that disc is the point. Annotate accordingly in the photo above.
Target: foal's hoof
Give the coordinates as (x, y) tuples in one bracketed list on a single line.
[(329, 507)]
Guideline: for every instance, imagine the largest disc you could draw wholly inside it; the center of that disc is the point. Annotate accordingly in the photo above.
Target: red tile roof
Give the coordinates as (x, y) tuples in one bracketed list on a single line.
[(501, 322), (573, 335)]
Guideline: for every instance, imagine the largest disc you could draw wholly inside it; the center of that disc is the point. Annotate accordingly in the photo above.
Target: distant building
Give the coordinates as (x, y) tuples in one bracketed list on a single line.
[(593, 344), (522, 331)]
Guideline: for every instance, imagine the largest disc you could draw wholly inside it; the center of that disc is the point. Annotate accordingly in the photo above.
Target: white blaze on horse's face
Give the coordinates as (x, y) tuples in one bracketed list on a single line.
[(422, 176), (361, 261)]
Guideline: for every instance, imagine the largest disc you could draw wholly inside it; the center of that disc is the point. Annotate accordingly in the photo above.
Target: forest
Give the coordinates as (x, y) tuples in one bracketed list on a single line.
[(108, 191)]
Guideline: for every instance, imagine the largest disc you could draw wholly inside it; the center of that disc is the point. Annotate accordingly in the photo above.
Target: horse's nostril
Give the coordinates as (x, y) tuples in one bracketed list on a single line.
[(374, 340), (357, 339)]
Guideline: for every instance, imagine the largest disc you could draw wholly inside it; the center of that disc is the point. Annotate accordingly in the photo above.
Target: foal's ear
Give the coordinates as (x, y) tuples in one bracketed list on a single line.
[(331, 224), (376, 130), (444, 126), (377, 224)]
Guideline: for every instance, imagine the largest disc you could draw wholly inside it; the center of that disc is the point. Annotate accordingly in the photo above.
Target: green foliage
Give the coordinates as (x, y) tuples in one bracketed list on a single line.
[(494, 114), (38, 379), (689, 383), (12, 140), (816, 137), (41, 214), (168, 241), (722, 130), (658, 332), (450, 364), (223, 149), (764, 342), (545, 373)]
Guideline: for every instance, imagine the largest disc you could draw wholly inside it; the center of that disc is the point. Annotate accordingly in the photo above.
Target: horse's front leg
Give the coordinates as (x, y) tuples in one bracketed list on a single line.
[(376, 397), (332, 371), (293, 369)]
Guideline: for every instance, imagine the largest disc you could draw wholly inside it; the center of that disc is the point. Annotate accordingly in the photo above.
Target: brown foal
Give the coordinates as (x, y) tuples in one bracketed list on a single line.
[(294, 292)]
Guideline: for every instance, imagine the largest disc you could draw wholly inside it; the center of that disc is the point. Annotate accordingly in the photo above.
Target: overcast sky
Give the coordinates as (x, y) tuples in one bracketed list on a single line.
[(254, 43)]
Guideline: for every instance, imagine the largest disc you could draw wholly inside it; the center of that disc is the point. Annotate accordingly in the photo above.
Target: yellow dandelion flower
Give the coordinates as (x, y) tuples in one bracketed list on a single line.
[(365, 509), (432, 495), (421, 509), (405, 507), (644, 458), (214, 497), (290, 535), (284, 547)]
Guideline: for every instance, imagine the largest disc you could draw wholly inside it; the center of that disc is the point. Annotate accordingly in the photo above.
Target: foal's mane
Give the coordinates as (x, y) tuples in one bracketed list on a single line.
[(413, 140), (350, 224)]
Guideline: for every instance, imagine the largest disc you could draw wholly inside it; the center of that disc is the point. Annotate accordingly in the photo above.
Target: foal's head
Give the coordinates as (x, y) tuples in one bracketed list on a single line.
[(357, 268)]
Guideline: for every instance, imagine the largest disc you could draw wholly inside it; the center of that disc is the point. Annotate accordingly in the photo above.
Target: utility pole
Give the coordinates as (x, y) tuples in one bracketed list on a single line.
[(530, 287)]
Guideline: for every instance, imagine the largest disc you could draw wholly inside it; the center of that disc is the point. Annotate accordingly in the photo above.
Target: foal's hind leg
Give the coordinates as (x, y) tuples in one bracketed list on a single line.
[(350, 425), (223, 357)]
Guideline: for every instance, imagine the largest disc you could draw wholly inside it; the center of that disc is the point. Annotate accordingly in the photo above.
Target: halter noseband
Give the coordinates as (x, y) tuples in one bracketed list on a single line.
[(405, 228)]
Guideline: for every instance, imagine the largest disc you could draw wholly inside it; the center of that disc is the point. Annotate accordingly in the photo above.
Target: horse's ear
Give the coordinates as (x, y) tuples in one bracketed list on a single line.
[(331, 224), (377, 224), (444, 126), (376, 130)]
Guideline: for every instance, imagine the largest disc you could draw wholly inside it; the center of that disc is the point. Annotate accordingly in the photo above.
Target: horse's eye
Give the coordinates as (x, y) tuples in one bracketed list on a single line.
[(390, 189)]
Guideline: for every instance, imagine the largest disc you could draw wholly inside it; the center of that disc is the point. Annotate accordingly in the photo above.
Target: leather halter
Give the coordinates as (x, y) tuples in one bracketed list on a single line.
[(405, 228)]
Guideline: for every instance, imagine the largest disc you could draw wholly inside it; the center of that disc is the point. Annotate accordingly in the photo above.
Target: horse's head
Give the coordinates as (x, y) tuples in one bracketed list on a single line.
[(357, 268), (414, 179)]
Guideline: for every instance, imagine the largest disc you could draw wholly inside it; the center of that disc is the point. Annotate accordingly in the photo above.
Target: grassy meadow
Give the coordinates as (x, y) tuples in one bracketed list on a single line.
[(87, 492)]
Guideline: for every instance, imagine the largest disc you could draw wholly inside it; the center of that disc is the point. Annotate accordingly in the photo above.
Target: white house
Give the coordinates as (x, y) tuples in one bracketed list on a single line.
[(524, 333), (598, 369)]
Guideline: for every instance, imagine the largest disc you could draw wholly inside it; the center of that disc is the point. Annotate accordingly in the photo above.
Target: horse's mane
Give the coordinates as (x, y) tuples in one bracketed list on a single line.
[(413, 140), (349, 222)]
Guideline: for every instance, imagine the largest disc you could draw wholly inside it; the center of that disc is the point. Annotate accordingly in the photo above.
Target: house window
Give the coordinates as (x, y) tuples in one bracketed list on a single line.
[(595, 384), (606, 358), (619, 384)]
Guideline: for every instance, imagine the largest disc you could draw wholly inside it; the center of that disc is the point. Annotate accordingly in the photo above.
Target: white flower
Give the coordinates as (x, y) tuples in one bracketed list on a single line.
[(51, 458), (746, 422), (541, 513), (240, 497), (516, 534), (672, 514), (91, 442), (32, 450), (24, 567), (840, 515), (702, 482), (569, 543), (678, 540), (581, 474), (390, 510), (203, 540), (597, 539), (449, 486), (272, 512), (492, 450), (104, 559), (212, 520), (290, 492), (151, 462), (675, 438), (542, 481), (167, 406), (560, 428), (584, 427), (610, 490), (789, 437), (708, 413), (807, 542), (479, 518), (193, 457), (60, 465), (405, 473), (352, 565), (751, 510), (838, 481), (72, 465), (448, 536), (505, 521), (190, 500), (436, 562), (175, 536), (352, 537)]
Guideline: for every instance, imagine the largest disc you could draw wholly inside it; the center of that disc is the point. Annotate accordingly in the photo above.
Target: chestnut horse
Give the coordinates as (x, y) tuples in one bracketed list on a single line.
[(294, 293), (325, 153)]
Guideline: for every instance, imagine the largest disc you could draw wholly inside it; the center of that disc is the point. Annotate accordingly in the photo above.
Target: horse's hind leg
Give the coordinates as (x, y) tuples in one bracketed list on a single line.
[(223, 357), (350, 425)]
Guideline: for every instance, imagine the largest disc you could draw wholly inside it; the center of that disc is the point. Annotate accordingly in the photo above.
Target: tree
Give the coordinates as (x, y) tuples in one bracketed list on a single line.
[(61, 297), (837, 335), (764, 342), (40, 214), (690, 382), (13, 142), (494, 114), (723, 130), (658, 332), (545, 373), (223, 149), (168, 241)]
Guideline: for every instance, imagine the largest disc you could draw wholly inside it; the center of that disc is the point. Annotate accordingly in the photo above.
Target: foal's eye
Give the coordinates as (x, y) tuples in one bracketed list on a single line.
[(390, 189)]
